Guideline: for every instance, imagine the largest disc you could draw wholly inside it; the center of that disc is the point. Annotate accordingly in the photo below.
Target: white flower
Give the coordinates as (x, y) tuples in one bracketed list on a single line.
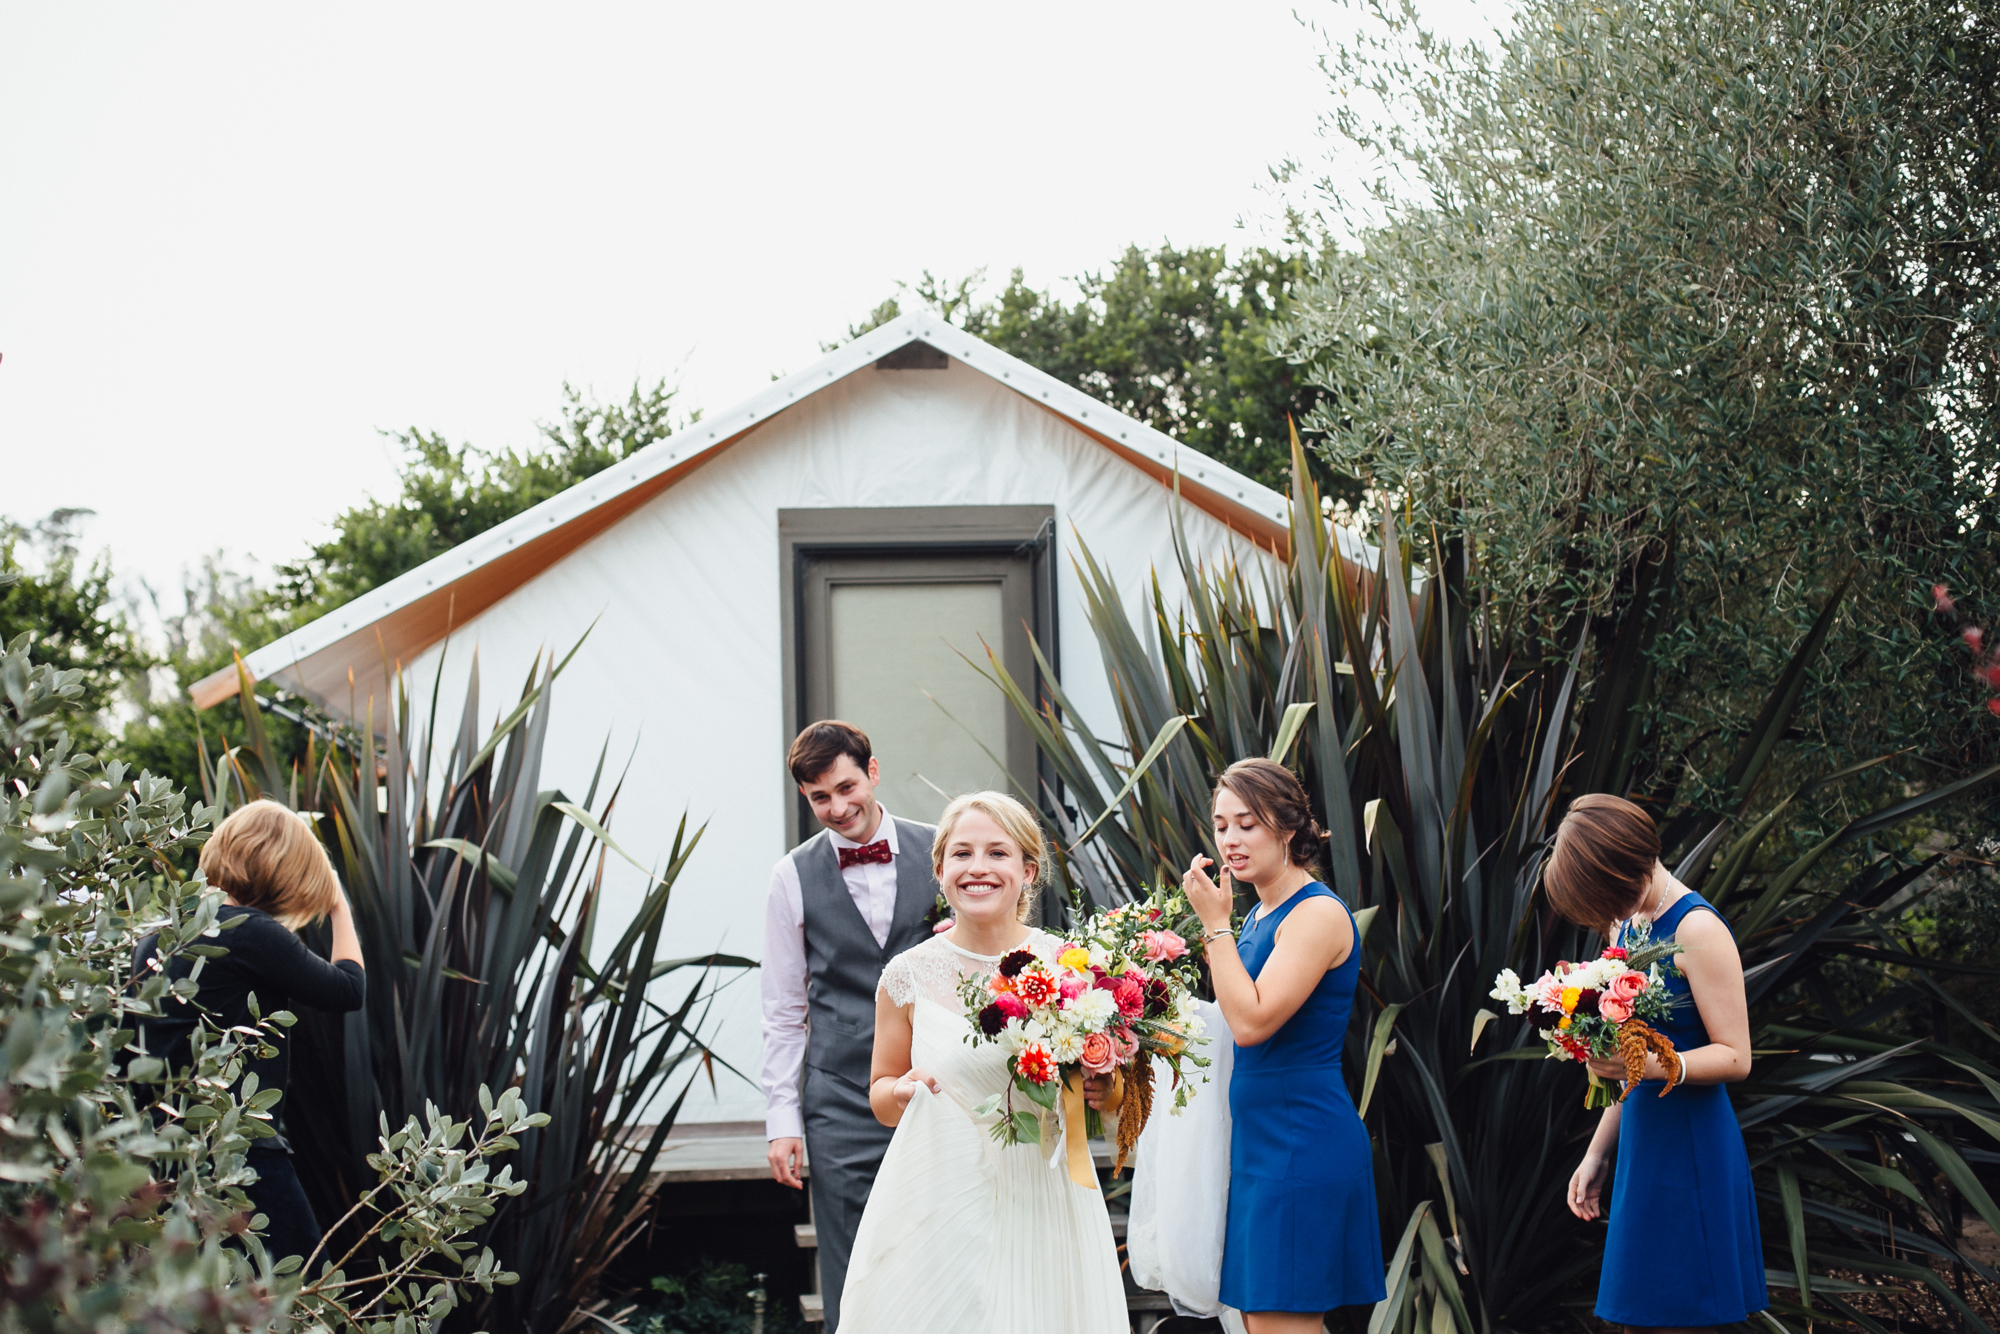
[(1019, 1033), (1066, 1044), (1091, 1010), (1101, 958), (1507, 987)]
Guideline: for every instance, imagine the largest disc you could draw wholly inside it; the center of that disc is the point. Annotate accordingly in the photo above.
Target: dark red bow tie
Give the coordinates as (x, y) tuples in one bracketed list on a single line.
[(877, 852)]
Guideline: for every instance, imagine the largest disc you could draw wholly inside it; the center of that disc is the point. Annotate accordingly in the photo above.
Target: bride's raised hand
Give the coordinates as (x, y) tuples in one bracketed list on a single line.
[(1211, 902), (906, 1087)]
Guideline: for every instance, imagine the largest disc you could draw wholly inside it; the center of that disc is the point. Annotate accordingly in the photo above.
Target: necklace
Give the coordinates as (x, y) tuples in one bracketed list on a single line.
[(1658, 898)]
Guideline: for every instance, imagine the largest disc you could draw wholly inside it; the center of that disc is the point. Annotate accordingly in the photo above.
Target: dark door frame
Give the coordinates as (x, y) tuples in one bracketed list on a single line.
[(806, 536)]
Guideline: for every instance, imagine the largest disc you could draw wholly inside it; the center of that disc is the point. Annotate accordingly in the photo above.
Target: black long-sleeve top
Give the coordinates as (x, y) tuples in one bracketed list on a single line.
[(264, 958)]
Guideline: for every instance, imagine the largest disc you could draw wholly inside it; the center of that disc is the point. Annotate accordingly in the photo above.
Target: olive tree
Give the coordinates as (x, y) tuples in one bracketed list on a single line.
[(1688, 308)]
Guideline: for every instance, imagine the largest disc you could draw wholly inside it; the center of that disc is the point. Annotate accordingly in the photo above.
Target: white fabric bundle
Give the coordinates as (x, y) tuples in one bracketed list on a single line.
[(1180, 1185)]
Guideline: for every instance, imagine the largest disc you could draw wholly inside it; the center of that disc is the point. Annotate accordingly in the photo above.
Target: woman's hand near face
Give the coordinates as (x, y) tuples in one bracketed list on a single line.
[(1211, 902)]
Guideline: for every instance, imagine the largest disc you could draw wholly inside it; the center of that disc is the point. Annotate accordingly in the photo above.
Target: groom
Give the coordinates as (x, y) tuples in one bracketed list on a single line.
[(842, 904)]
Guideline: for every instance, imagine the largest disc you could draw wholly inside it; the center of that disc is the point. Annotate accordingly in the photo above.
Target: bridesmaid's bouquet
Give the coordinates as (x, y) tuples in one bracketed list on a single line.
[(1600, 1009), (1118, 991)]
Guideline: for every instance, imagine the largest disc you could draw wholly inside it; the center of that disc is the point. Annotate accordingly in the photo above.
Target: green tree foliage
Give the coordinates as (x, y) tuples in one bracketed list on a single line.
[(122, 1180), (222, 612), (1178, 339), (445, 494), (451, 492), (1692, 302), (69, 608)]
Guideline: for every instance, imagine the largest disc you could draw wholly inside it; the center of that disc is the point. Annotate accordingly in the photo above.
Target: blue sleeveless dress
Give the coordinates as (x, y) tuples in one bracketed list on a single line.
[(1302, 1233), (1683, 1248)]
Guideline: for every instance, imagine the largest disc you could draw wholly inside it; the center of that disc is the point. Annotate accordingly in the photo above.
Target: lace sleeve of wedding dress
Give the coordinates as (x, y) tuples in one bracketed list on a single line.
[(930, 970), (934, 968)]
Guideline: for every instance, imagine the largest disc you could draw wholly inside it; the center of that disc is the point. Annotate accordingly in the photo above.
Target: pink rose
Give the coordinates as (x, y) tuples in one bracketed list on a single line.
[(944, 926), (1162, 946), (1072, 986), (1011, 1005), (1099, 1056), (1610, 1007), (1627, 987), (1123, 1045)]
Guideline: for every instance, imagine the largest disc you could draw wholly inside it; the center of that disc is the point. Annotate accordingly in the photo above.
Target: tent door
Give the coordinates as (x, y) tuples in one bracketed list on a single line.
[(894, 638)]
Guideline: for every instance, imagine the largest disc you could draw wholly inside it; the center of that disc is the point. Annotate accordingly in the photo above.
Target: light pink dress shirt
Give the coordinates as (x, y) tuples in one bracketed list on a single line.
[(783, 976)]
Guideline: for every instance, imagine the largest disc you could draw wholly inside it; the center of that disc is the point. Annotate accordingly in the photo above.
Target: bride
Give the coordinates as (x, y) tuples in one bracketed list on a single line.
[(961, 1233)]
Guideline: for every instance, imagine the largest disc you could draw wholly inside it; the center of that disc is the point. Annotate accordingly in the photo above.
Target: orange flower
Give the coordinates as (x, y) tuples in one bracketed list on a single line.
[(1034, 1064), (999, 985)]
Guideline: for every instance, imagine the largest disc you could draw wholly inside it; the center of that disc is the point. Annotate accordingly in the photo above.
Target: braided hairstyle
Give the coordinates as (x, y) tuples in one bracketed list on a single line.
[(1278, 800)]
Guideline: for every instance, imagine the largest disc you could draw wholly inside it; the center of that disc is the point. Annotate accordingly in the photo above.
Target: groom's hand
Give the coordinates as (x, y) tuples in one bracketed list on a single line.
[(787, 1156)]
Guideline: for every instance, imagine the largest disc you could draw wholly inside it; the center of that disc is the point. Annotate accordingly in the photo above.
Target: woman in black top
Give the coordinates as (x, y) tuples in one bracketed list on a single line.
[(269, 864)]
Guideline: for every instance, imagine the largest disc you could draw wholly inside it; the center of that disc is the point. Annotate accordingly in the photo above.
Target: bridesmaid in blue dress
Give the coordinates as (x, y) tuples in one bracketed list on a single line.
[(1302, 1235), (1683, 1250)]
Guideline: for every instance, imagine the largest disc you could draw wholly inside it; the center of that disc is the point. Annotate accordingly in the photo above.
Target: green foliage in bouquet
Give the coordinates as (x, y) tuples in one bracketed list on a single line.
[(122, 1199), (1439, 769), (476, 893)]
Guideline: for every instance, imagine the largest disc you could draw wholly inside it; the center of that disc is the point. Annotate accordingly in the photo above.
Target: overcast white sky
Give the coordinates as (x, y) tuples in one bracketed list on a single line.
[(237, 239)]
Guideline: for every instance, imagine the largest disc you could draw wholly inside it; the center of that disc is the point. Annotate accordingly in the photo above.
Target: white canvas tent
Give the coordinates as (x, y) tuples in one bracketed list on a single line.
[(828, 548)]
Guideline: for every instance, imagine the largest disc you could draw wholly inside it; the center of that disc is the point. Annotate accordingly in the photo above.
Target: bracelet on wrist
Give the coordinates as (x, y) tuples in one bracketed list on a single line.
[(1208, 936)]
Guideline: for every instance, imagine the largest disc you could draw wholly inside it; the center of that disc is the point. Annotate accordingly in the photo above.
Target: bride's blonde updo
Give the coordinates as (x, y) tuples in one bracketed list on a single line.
[(1016, 821)]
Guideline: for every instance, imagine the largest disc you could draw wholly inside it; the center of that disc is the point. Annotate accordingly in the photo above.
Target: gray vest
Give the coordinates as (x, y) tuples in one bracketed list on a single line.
[(843, 962)]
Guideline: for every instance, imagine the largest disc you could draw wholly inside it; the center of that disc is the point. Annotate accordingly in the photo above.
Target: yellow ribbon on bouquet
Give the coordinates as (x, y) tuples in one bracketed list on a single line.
[(1075, 1116)]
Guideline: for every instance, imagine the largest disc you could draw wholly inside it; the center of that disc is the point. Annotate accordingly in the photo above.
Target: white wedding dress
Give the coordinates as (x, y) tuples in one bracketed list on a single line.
[(960, 1233)]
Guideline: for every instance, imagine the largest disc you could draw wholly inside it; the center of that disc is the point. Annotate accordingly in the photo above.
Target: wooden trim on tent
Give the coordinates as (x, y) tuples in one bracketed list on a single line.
[(397, 637), (406, 632), (1266, 532)]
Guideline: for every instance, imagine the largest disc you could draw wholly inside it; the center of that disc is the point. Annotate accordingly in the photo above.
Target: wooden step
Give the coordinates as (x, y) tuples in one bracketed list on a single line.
[(807, 1235), (810, 1309)]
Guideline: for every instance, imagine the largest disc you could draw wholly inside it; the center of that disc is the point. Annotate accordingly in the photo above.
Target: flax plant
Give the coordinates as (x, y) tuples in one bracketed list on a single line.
[(1440, 770), (478, 897)]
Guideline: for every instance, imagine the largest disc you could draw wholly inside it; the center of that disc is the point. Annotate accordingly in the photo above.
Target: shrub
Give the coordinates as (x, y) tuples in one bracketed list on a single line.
[(122, 1199)]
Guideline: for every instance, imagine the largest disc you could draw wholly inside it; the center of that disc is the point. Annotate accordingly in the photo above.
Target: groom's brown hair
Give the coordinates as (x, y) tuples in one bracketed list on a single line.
[(816, 749)]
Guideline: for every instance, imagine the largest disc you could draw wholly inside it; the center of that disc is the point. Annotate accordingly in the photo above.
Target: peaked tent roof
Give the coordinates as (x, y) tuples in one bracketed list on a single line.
[(405, 616)]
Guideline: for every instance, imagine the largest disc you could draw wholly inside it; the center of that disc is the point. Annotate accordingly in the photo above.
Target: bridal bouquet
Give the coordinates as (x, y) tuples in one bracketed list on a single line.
[(1106, 1000), (1601, 1008)]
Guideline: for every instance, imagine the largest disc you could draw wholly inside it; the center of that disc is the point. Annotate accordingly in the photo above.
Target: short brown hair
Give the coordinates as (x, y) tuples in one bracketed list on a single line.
[(816, 749), (1604, 855), (1276, 797), (1016, 822), (267, 857)]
